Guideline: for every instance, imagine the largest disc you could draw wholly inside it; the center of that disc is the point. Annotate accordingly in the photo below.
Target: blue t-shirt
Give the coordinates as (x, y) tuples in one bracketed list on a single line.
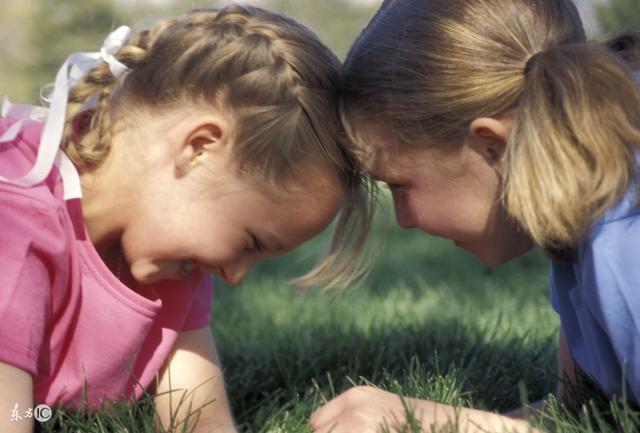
[(598, 299)]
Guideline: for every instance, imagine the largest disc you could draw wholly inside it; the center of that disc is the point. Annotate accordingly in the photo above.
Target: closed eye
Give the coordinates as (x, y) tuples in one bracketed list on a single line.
[(397, 187), (255, 244)]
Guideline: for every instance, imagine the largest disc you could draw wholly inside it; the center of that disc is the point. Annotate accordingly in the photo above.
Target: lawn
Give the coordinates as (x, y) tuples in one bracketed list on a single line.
[(430, 322)]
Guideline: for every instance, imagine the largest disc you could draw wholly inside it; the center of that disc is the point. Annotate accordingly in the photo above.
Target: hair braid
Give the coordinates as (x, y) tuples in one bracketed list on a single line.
[(427, 69), (277, 82), (88, 144)]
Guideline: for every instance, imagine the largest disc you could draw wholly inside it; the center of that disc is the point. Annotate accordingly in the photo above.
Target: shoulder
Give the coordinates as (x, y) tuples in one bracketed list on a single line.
[(16, 159), (608, 266), (35, 208), (29, 203), (624, 211), (35, 214), (609, 258), (613, 245), (33, 230)]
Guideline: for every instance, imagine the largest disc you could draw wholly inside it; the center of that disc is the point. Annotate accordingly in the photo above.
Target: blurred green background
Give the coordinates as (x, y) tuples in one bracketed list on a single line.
[(39, 34)]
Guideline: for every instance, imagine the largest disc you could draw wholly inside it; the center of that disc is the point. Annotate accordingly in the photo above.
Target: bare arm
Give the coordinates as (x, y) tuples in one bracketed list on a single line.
[(365, 409), (16, 387), (193, 375), (566, 366)]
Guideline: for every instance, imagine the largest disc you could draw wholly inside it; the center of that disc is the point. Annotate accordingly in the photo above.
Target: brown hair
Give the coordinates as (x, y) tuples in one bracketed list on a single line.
[(427, 69), (274, 77)]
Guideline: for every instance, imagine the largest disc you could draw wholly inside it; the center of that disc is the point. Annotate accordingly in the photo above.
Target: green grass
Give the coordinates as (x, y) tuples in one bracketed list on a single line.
[(431, 322)]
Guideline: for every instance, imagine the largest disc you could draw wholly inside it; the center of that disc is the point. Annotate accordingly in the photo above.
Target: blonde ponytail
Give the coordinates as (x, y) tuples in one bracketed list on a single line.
[(571, 154), (426, 69)]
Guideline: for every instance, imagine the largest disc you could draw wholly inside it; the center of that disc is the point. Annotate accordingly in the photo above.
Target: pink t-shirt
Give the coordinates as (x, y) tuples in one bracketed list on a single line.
[(64, 317)]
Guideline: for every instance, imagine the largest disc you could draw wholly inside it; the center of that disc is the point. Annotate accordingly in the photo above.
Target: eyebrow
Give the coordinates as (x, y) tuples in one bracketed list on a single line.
[(378, 177), (390, 176), (390, 180)]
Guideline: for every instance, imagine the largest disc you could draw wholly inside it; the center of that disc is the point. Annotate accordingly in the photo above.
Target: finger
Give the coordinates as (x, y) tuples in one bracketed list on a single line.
[(328, 412), (348, 426), (330, 427)]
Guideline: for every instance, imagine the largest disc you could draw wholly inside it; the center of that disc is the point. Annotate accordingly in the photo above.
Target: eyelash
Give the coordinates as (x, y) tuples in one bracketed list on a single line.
[(394, 187), (255, 244)]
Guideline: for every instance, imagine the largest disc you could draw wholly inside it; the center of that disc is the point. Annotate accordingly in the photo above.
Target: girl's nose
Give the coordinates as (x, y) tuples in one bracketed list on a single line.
[(236, 272)]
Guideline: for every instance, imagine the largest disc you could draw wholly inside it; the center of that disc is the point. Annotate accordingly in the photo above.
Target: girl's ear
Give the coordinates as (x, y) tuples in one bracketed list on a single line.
[(200, 143), (489, 136)]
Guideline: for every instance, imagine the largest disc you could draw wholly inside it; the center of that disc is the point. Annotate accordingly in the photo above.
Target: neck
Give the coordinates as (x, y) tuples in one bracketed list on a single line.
[(103, 207), (99, 219), (104, 216)]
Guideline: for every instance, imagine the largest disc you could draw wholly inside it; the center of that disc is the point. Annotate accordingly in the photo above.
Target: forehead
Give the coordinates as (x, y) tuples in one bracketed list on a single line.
[(302, 212), (379, 150), (396, 166), (308, 183), (396, 162)]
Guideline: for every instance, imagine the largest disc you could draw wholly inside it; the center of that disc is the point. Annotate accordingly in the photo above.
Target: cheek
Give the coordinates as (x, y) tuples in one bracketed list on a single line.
[(212, 246), (208, 239), (145, 238), (454, 216), (156, 259), (500, 241)]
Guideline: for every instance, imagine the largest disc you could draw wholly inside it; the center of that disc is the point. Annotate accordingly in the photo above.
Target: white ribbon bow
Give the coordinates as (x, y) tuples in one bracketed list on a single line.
[(49, 153), (114, 43)]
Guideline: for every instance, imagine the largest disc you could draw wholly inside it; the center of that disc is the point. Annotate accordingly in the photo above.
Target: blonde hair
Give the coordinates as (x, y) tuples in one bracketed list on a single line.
[(427, 69), (274, 77)]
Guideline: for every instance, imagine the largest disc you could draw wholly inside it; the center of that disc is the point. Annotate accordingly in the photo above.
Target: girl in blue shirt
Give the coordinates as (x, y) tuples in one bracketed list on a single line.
[(498, 126)]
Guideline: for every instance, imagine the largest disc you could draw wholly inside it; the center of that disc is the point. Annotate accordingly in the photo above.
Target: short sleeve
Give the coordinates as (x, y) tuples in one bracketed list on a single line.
[(199, 315), (32, 252), (610, 284)]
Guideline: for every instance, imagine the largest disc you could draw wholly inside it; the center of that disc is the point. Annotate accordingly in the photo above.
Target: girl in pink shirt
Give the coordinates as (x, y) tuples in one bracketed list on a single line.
[(199, 146)]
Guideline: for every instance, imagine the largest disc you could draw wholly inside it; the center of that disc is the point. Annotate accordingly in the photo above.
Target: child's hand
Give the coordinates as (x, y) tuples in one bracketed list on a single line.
[(363, 409), (367, 410)]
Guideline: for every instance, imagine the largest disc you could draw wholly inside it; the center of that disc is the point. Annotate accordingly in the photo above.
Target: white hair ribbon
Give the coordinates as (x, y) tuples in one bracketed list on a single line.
[(114, 42), (49, 153)]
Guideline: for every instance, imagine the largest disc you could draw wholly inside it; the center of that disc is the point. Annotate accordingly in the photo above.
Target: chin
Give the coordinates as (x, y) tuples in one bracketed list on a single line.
[(494, 262), (495, 257), (144, 278), (148, 272)]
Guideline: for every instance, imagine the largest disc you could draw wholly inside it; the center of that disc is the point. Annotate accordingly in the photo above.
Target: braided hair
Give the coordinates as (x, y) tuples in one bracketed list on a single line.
[(277, 81)]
